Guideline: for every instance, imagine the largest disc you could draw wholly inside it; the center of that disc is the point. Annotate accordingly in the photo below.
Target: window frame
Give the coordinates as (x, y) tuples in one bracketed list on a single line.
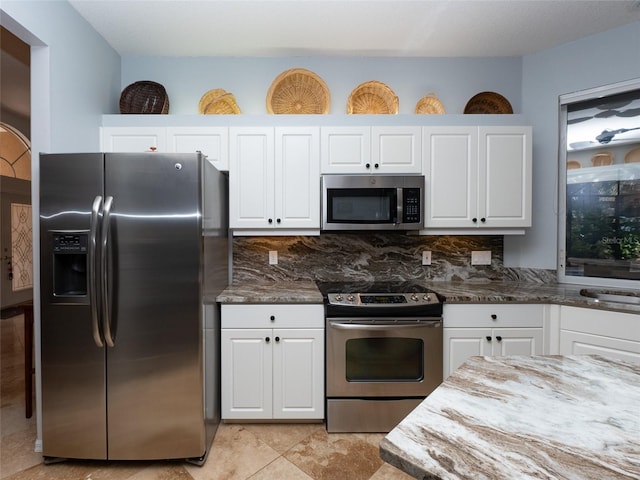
[(563, 104)]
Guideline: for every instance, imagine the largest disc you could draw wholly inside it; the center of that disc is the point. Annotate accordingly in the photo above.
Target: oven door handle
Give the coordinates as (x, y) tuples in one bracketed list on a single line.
[(383, 326)]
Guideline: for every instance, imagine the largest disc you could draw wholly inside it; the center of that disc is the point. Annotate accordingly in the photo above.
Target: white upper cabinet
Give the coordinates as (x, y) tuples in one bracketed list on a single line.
[(274, 182), (396, 149), (211, 141), (477, 178), (505, 165), (451, 171), (371, 150), (133, 139)]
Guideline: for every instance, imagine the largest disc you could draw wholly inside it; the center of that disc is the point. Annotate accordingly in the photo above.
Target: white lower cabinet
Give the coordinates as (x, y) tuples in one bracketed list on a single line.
[(272, 361), (586, 331), (490, 330)]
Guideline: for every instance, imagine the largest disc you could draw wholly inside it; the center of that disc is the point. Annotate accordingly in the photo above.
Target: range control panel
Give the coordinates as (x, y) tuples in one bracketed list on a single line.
[(383, 299)]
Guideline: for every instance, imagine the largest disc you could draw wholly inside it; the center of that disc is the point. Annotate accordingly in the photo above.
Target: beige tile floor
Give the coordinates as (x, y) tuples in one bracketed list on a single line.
[(239, 451)]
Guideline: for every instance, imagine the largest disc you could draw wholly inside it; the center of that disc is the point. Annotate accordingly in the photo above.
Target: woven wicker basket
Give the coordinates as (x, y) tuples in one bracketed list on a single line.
[(223, 105), (573, 164), (430, 105), (602, 159), (488, 102), (632, 156), (298, 91), (372, 97), (209, 97), (218, 102), (144, 97)]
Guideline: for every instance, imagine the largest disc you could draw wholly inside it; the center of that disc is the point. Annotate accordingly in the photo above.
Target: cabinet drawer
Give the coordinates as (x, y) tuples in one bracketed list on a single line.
[(474, 315), (625, 326), (272, 316)]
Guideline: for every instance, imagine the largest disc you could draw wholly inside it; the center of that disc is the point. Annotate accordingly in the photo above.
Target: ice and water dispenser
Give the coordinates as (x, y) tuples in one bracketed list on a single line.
[(70, 264)]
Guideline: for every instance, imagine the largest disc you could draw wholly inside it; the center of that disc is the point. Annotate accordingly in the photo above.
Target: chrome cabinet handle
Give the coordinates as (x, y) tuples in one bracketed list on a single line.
[(94, 270), (104, 277)]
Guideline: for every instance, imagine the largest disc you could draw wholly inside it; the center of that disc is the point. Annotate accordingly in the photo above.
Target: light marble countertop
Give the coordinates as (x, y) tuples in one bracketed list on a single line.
[(521, 417), (306, 291)]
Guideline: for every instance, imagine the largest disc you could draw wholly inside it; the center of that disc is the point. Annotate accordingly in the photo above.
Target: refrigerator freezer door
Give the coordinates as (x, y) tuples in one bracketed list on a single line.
[(155, 381), (73, 365)]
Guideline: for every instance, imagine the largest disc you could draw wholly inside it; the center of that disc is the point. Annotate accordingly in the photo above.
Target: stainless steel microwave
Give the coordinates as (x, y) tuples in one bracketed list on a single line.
[(372, 202)]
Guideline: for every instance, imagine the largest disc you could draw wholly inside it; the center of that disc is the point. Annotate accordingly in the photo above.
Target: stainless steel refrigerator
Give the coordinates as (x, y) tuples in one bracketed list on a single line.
[(129, 364)]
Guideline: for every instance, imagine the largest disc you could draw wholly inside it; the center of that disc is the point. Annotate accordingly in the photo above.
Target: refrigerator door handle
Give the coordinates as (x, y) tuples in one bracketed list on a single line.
[(93, 270), (104, 277)]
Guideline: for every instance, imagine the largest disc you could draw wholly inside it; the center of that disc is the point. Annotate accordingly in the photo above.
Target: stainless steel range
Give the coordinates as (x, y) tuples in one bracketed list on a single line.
[(384, 352)]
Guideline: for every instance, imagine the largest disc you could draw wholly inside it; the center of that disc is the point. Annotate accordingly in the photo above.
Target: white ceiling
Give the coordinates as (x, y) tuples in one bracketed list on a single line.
[(404, 28)]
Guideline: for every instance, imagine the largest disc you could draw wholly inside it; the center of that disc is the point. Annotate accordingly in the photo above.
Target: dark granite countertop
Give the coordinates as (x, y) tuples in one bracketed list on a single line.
[(454, 292), (271, 292), (524, 417)]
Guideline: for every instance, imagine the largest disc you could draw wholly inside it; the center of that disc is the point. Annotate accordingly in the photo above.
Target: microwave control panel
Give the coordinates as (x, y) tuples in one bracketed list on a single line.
[(411, 205)]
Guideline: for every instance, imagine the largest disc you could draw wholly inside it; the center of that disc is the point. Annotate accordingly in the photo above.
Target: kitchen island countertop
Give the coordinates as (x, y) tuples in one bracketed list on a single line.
[(525, 417)]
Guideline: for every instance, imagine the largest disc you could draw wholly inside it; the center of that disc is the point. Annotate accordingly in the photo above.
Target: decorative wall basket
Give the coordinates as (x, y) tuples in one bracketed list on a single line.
[(372, 98), (218, 102), (487, 103), (429, 105), (144, 97), (298, 91)]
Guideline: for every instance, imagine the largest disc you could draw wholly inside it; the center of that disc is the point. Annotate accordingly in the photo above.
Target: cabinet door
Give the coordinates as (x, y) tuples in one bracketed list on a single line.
[(133, 139), (297, 178), (577, 343), (345, 150), (246, 374), (251, 178), (462, 343), (517, 341), (504, 177), (211, 141), (451, 170), (396, 150), (298, 374)]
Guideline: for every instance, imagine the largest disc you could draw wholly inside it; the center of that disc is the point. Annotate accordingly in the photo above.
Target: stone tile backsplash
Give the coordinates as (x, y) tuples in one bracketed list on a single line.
[(365, 256)]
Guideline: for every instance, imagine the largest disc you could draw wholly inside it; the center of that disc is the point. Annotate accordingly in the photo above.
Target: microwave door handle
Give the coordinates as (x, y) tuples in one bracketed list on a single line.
[(94, 270), (399, 205)]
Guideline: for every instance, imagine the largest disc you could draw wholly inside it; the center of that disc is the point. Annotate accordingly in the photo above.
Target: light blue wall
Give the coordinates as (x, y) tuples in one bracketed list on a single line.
[(84, 71), (454, 80), (87, 77), (603, 59)]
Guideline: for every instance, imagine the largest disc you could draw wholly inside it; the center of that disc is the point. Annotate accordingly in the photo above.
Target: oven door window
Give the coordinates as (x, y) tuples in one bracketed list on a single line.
[(394, 359), (362, 205)]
